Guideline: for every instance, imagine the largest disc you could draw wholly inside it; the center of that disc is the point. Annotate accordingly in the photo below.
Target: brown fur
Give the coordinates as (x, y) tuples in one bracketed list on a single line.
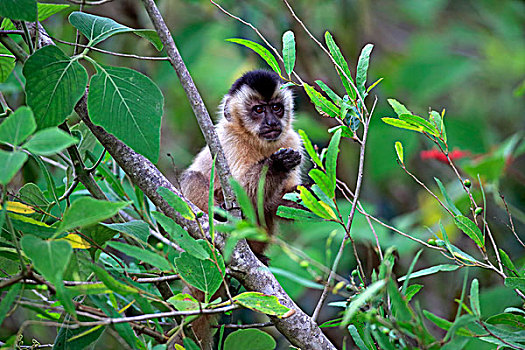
[(247, 154)]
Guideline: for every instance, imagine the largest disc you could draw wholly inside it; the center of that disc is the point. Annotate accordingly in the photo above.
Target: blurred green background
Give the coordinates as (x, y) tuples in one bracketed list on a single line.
[(467, 57)]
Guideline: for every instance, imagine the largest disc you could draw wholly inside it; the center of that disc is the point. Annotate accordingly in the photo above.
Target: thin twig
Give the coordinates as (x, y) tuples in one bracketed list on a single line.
[(244, 326), (89, 3), (510, 220)]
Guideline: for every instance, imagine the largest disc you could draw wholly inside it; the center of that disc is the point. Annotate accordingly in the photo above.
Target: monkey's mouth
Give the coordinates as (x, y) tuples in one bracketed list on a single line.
[(271, 135)]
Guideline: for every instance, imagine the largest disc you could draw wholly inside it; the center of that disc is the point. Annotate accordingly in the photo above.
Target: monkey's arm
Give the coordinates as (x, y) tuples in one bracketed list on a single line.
[(194, 186), (280, 164)]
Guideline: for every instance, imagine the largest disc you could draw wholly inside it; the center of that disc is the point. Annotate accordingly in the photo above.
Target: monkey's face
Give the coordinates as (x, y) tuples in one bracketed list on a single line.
[(265, 118)]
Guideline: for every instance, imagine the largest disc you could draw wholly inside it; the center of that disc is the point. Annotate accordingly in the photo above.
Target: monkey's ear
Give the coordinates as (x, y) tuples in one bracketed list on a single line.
[(226, 108)]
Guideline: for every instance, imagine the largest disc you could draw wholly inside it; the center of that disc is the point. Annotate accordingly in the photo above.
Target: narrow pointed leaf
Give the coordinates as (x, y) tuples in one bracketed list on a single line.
[(430, 271), (261, 51), (315, 206), (129, 105), (399, 151), (398, 123), (419, 122), (176, 203), (398, 107), (470, 229), (333, 96), (474, 297), (310, 149), (289, 51), (361, 299), (331, 157), (54, 84), (8, 299), (323, 181), (142, 255), (297, 214), (322, 104), (362, 69), (448, 200), (18, 126), (335, 52), (244, 201)]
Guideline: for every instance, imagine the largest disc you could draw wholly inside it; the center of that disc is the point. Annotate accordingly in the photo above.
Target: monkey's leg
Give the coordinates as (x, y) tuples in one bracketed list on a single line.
[(194, 186)]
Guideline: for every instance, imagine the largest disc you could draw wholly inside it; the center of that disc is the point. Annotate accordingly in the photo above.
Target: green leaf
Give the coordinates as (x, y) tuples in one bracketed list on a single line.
[(189, 344), (295, 278), (176, 203), (335, 52), (150, 35), (112, 283), (54, 85), (88, 211), (8, 299), (11, 163), (474, 298), (315, 206), (253, 339), (399, 151), (202, 274), (179, 235), (138, 229), (77, 338), (331, 157), (470, 229), (47, 10), (18, 126), (321, 103), (398, 107), (445, 324), (430, 271), (507, 262), (399, 304), (184, 302), (361, 299), (412, 290), (517, 321), (356, 337), (310, 148), (32, 194), (244, 201), (250, 232), (410, 269), (398, 123), (23, 10), (129, 105), (49, 141), (96, 28), (333, 96), (50, 258), (266, 304), (261, 51), (450, 203), (419, 122), (7, 63), (362, 69), (297, 214), (515, 283), (142, 254), (324, 183), (289, 51)]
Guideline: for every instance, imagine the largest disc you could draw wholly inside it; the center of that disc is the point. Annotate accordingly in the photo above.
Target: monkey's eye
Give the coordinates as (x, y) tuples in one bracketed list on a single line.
[(258, 109), (277, 107)]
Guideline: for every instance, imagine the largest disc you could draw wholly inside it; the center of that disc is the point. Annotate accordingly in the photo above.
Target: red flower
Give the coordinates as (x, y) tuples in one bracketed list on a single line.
[(440, 156)]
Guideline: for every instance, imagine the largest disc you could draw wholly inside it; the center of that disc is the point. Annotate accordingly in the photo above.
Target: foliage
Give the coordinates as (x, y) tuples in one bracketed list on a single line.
[(101, 252)]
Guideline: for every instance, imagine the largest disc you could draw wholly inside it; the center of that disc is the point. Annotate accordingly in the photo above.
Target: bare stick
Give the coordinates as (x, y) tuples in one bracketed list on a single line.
[(510, 220)]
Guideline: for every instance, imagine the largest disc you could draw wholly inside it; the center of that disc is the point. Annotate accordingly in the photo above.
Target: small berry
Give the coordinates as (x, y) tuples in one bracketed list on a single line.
[(200, 214), (431, 241), (304, 263), (478, 210), (354, 273), (467, 183), (159, 246)]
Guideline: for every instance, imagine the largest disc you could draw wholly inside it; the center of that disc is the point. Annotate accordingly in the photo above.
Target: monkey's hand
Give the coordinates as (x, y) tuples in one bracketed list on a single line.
[(284, 160)]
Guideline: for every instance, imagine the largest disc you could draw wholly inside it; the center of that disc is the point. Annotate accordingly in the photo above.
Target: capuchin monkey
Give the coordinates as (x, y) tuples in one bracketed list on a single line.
[(255, 131)]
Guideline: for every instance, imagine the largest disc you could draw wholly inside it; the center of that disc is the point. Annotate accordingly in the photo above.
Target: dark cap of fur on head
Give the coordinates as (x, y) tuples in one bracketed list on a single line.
[(263, 81)]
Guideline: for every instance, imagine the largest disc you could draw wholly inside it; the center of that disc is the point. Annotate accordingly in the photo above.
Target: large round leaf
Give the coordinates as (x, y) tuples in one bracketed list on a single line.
[(252, 339), (129, 105), (23, 10), (54, 84)]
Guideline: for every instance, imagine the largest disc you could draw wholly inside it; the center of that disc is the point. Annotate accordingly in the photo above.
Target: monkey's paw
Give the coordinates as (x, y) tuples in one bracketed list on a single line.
[(285, 159)]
